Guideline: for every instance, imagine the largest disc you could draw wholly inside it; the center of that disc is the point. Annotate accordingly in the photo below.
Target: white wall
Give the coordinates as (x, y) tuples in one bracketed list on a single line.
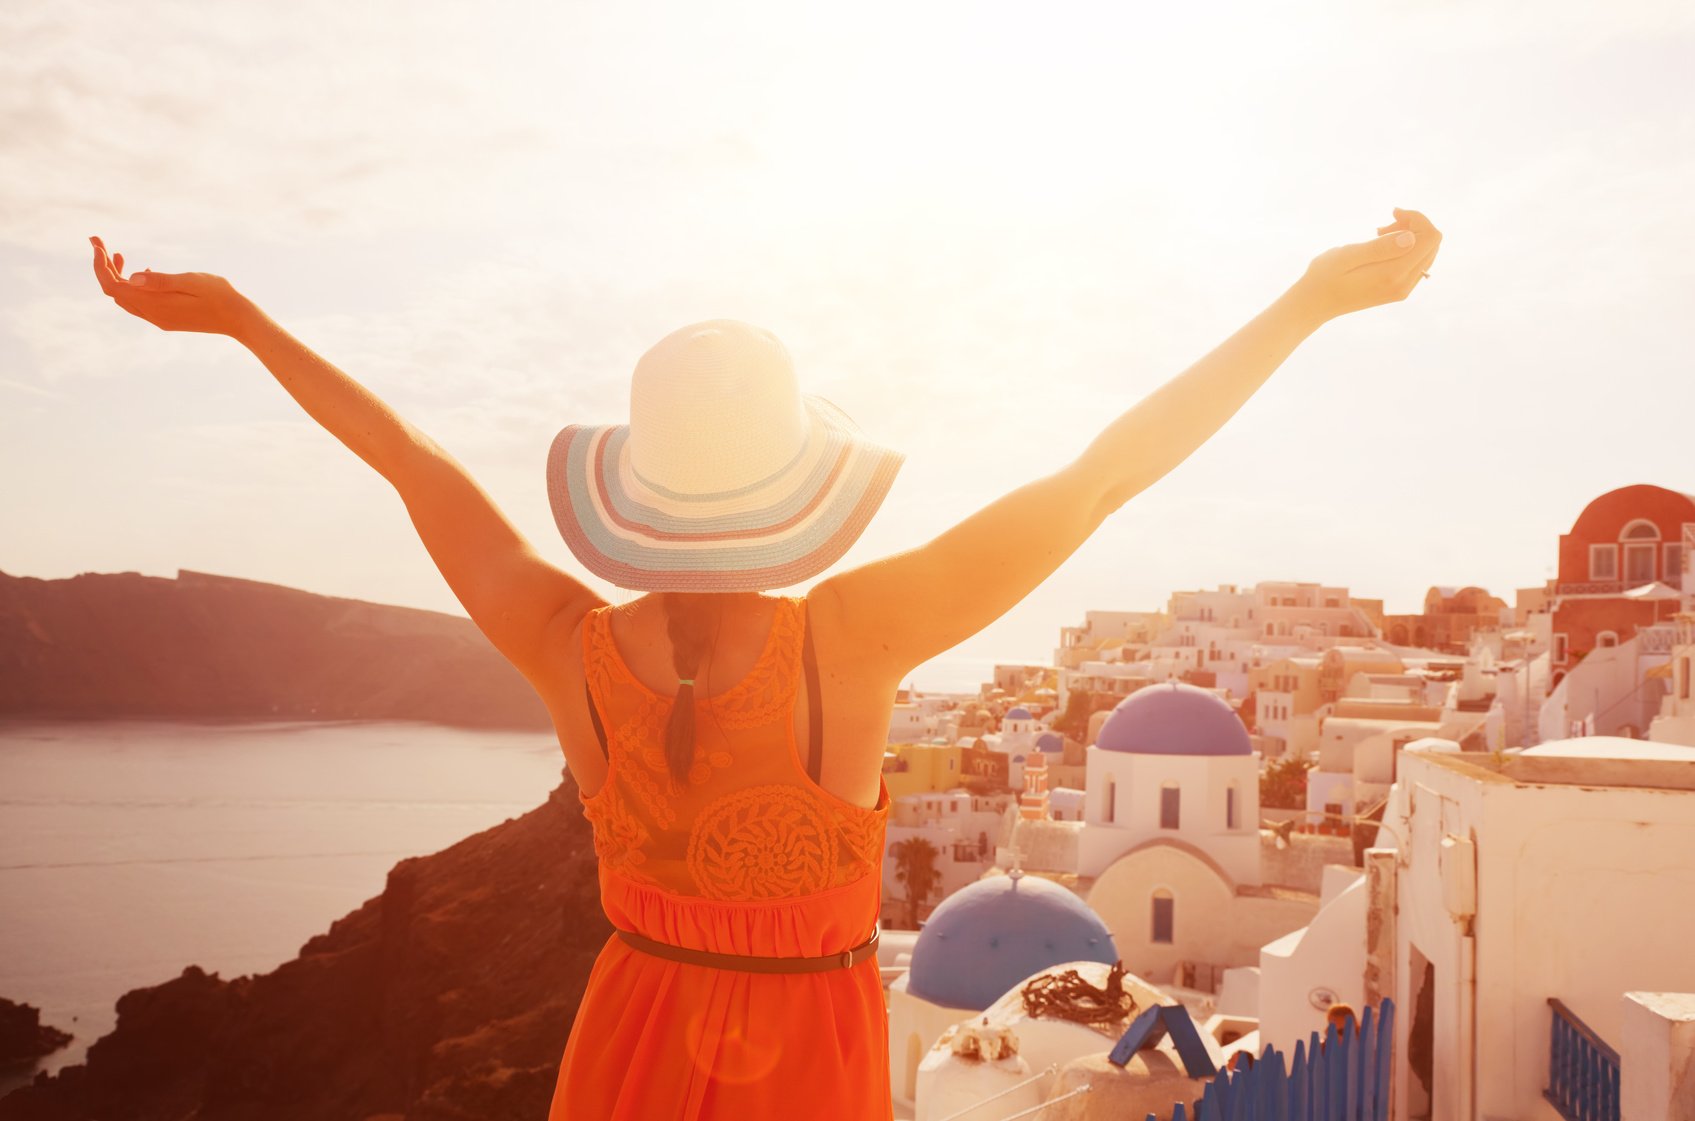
[(1609, 685), (1204, 782), (1325, 787), (1329, 954), (1570, 880), (1657, 1068)]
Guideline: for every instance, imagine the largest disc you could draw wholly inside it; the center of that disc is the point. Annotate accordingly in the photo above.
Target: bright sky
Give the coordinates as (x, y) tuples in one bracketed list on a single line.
[(982, 228)]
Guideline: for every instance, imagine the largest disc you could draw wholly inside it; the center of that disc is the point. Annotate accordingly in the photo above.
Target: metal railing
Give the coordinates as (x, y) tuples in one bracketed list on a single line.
[(1657, 638), (1583, 1074), (1343, 1076), (1590, 588)]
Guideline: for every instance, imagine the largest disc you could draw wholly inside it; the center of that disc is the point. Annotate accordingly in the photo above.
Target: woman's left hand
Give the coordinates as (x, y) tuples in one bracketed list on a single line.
[(179, 301), (1367, 274)]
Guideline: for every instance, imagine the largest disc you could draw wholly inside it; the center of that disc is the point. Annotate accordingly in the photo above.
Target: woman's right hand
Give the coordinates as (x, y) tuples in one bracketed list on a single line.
[(184, 301), (1368, 273)]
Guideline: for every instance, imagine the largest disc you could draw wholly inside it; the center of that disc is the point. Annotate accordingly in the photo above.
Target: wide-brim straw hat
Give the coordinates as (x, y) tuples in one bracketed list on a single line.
[(726, 479)]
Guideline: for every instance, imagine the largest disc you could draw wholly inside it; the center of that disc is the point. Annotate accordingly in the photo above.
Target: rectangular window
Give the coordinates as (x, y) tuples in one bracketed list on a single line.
[(1688, 671), (1230, 808), (1164, 906), (1603, 562), (1639, 564), (1170, 806), (1674, 564), (1559, 648)]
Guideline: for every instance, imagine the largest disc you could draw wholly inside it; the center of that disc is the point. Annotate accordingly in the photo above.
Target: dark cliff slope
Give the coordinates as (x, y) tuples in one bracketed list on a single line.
[(202, 646), (446, 998)]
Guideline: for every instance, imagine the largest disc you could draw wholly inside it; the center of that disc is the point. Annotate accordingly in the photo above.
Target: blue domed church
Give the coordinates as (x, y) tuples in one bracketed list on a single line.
[(1173, 762), (1170, 850), (980, 943)]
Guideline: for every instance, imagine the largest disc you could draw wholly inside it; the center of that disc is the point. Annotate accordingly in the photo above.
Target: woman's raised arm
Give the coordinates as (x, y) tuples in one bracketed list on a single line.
[(897, 613), (511, 593)]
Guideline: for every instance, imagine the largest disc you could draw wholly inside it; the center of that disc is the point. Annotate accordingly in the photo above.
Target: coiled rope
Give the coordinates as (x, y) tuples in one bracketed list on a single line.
[(1067, 996)]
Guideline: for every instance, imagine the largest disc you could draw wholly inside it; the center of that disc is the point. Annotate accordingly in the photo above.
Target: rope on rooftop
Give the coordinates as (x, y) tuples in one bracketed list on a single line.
[(1038, 1076), (1067, 996), (1083, 1089)]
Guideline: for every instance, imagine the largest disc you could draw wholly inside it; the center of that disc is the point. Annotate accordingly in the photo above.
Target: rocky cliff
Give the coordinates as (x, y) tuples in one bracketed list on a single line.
[(23, 1037), (203, 646), (446, 998)]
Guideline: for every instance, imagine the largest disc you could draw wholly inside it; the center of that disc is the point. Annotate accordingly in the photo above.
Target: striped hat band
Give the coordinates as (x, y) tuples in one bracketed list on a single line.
[(726, 479)]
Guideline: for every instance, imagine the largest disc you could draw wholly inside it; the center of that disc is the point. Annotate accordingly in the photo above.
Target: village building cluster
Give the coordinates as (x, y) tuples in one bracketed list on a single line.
[(1264, 804)]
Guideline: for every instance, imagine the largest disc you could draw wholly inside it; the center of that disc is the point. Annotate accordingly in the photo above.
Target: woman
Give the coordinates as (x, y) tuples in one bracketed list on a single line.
[(728, 745)]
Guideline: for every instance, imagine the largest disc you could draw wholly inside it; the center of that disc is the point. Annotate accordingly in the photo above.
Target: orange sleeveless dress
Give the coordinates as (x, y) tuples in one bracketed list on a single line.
[(749, 857)]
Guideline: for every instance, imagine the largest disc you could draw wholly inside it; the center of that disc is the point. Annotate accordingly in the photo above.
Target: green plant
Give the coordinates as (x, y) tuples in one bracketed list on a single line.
[(1283, 784), (915, 869)]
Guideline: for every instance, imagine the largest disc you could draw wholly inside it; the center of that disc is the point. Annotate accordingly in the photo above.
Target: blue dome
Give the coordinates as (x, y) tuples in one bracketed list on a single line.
[(1018, 758), (989, 936), (1019, 713), (1174, 719), (1050, 741)]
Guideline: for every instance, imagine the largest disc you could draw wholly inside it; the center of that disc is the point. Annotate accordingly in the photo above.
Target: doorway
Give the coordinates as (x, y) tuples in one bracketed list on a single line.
[(1421, 1036)]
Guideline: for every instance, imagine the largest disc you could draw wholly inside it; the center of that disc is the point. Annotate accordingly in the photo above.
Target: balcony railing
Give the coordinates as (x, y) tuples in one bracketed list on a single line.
[(1656, 639), (1590, 588), (1582, 1071)]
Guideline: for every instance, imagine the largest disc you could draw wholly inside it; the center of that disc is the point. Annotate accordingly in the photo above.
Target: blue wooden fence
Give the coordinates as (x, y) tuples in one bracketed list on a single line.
[(1582, 1070), (1331, 1079)]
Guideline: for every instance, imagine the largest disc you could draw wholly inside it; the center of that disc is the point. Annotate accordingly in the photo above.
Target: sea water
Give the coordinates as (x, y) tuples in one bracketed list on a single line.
[(131, 849)]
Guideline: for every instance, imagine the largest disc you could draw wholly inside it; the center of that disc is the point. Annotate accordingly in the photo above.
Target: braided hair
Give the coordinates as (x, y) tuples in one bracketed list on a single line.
[(691, 622)]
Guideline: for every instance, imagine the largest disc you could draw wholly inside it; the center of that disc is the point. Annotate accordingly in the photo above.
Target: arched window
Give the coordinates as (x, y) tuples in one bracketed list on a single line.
[(1111, 797), (1164, 917), (1641, 541), (1170, 806), (1231, 802)]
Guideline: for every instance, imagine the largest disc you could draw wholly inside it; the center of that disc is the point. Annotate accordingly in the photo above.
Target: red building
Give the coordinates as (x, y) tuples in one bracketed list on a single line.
[(1620, 568)]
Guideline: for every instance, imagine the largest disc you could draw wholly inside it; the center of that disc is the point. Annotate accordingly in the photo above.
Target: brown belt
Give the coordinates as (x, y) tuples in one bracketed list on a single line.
[(847, 959)]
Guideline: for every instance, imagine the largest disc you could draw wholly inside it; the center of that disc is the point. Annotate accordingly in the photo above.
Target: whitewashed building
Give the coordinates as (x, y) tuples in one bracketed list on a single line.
[(1675, 722), (1511, 900)]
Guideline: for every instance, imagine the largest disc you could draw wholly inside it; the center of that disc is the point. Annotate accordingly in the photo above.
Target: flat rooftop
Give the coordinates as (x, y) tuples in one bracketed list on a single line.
[(1593, 761)]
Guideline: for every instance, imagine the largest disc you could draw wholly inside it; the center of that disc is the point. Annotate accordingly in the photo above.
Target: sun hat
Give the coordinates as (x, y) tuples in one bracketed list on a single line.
[(726, 479)]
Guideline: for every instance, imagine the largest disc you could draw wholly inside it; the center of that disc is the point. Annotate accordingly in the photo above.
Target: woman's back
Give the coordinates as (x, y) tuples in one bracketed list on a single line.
[(855, 701), (713, 872), (746, 820)]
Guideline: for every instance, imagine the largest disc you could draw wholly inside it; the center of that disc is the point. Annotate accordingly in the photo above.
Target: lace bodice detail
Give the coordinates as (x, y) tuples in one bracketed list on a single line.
[(749, 823)]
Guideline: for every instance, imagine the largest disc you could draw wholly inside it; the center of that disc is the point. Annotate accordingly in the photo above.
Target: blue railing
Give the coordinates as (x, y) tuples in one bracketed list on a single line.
[(1337, 1078), (1582, 1070)]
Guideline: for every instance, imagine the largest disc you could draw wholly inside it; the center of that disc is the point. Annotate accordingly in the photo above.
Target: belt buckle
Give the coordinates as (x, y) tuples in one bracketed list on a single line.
[(847, 959)]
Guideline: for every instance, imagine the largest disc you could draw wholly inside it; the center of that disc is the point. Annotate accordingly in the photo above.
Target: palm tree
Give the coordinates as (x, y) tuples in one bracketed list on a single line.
[(915, 867)]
